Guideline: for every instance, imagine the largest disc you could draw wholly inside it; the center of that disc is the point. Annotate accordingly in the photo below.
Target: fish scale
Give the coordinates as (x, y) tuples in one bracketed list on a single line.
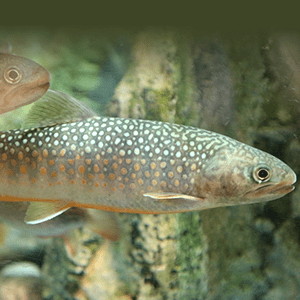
[(103, 155), (129, 165)]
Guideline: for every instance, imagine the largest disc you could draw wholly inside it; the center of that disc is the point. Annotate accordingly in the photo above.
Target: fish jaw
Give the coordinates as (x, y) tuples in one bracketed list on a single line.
[(31, 93), (272, 191), (26, 92)]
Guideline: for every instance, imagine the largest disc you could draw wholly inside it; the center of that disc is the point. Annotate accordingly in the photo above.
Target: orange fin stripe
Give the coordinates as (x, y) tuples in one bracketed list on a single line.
[(23, 199)]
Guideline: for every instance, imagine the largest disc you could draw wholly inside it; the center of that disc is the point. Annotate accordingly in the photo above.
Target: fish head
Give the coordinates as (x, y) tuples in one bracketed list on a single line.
[(269, 181), (244, 175), (22, 81)]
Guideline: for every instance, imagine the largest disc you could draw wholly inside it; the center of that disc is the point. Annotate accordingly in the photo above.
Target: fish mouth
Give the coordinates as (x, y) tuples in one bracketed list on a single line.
[(44, 86), (16, 98), (274, 190)]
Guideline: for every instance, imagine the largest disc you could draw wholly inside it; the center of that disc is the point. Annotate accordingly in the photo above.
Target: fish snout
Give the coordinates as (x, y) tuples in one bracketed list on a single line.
[(287, 184), (289, 177), (44, 78)]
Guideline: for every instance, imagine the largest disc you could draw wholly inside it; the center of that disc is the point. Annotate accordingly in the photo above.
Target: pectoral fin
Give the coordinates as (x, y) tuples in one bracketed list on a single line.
[(171, 196), (39, 212)]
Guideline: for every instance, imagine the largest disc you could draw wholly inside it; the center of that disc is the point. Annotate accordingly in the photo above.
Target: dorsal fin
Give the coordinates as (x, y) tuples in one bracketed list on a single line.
[(55, 108)]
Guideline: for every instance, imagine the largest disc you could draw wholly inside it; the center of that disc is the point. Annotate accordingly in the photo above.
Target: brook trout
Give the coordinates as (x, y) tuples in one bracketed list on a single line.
[(67, 156), (22, 81)]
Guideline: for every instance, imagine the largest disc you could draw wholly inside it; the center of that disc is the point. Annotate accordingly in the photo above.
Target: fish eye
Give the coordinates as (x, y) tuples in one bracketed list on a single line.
[(12, 75), (261, 174)]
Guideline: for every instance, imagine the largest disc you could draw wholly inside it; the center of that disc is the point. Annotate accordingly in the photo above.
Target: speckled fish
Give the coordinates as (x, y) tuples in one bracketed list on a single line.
[(22, 81), (67, 156)]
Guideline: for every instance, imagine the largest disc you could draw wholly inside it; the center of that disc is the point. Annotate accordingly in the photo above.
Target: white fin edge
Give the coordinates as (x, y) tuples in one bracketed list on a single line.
[(39, 212)]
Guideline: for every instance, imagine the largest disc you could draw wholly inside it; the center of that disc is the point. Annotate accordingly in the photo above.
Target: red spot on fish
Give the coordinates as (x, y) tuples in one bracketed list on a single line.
[(45, 153), (43, 170), (23, 170), (35, 153)]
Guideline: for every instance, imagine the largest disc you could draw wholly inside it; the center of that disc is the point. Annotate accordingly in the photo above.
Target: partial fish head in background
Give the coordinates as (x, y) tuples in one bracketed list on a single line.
[(22, 81)]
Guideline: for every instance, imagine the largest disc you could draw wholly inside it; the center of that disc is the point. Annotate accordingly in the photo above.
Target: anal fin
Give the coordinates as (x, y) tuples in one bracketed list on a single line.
[(39, 212)]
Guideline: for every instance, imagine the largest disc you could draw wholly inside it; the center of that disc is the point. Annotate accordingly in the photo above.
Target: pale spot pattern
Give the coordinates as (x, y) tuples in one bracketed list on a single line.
[(102, 154)]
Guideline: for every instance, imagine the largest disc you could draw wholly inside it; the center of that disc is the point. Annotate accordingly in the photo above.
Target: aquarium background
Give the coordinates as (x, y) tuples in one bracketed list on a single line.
[(244, 85)]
